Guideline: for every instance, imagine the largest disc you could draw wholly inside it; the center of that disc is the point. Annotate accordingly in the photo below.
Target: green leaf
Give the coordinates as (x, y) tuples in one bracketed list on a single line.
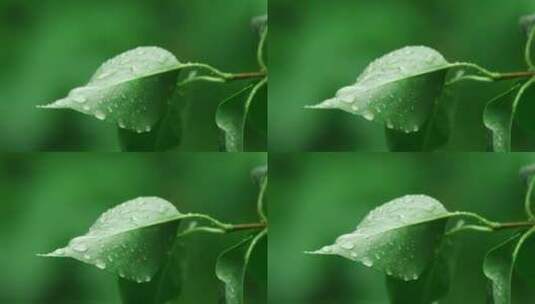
[(231, 116), (231, 267), (432, 285), (166, 135), (434, 134), (399, 237), (499, 114), (499, 264), (130, 90), (165, 287), (131, 240), (398, 89)]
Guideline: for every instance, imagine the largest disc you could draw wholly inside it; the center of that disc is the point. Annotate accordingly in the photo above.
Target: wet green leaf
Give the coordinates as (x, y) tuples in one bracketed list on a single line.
[(499, 264), (398, 89), (130, 90), (498, 117), (398, 238), (165, 287), (131, 240), (231, 116), (231, 267)]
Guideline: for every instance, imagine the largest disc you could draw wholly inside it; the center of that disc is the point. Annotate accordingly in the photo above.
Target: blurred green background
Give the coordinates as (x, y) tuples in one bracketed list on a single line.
[(316, 197), (319, 46), (47, 199), (52, 46)]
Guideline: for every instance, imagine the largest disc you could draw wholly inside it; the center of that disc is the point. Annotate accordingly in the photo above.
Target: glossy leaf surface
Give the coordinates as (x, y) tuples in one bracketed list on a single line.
[(130, 90), (398, 89), (398, 238), (131, 240)]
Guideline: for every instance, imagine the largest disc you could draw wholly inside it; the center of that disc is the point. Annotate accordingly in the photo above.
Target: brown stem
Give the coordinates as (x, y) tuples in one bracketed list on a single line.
[(247, 75), (247, 226), (514, 225), (514, 75)]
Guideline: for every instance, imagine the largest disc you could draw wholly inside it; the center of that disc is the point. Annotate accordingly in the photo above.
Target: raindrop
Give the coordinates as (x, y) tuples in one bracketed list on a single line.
[(368, 115), (101, 264), (367, 262), (100, 115), (79, 99), (348, 245), (79, 247)]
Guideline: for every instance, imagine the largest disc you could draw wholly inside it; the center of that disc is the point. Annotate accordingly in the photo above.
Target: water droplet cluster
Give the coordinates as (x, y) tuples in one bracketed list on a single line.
[(130, 239), (398, 237), (131, 89), (397, 89)]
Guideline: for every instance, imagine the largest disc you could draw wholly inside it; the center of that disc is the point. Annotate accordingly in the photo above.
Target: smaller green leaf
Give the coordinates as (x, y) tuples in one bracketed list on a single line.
[(499, 264), (433, 284), (131, 240), (231, 267), (165, 287), (398, 90), (398, 238), (499, 114), (231, 116), (130, 90)]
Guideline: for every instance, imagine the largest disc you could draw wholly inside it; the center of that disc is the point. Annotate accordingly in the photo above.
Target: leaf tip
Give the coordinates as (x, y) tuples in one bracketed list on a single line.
[(56, 253)]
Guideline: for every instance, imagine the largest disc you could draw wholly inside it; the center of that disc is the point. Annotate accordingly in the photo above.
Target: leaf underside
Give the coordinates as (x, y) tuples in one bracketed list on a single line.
[(231, 267), (130, 90), (131, 240), (432, 285), (397, 90), (434, 134), (398, 238), (166, 134), (165, 287)]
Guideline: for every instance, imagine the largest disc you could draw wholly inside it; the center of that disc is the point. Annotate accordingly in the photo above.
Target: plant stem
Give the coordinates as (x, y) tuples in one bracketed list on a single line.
[(247, 226), (249, 75), (260, 201), (527, 199), (488, 226), (260, 50), (218, 76), (218, 226), (512, 225), (487, 76), (513, 75), (527, 50)]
